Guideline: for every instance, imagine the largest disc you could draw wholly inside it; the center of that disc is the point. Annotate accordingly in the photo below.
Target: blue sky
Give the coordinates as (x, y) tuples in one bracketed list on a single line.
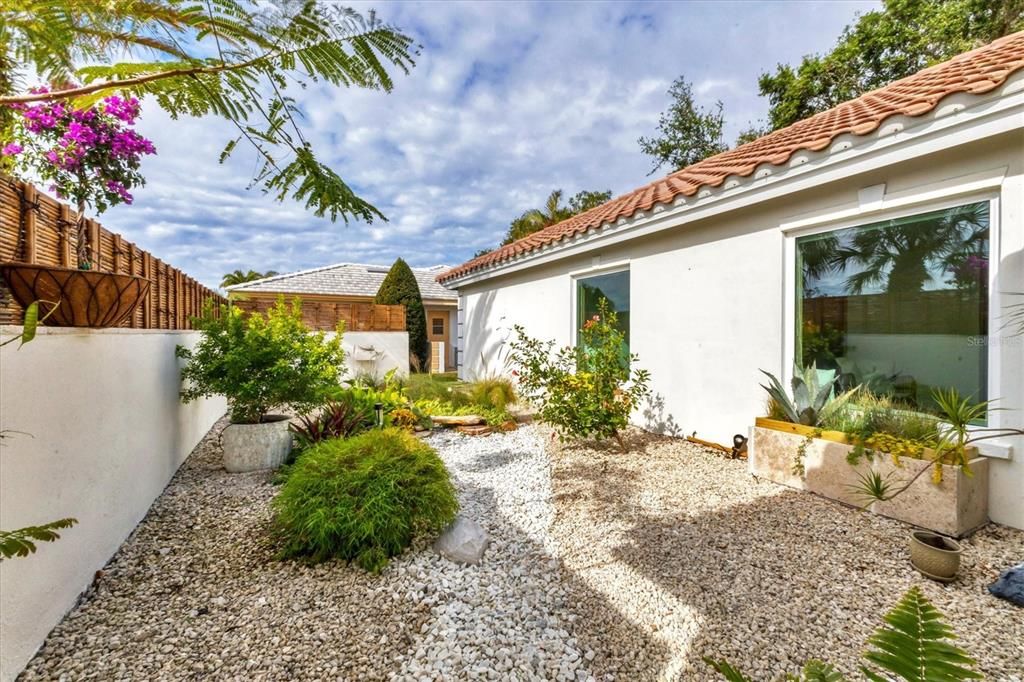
[(507, 102)]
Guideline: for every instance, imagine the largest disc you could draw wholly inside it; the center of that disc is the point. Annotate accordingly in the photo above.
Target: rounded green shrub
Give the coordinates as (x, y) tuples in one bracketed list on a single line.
[(364, 498)]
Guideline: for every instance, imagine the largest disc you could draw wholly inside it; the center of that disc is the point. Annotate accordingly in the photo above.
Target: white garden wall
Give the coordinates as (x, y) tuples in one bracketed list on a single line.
[(107, 432), (376, 352), (708, 301)]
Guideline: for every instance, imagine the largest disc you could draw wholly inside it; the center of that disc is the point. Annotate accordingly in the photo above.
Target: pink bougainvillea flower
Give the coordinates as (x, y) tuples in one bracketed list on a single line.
[(12, 149)]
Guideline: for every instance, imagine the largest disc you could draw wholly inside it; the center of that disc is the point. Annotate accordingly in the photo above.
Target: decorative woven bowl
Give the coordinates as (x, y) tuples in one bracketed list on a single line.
[(75, 298)]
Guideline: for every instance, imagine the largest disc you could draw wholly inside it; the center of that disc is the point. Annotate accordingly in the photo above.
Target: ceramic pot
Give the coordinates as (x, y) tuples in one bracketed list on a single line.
[(934, 555)]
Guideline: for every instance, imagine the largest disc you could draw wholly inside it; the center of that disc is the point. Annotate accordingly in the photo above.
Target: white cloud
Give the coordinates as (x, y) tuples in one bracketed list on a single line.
[(507, 102)]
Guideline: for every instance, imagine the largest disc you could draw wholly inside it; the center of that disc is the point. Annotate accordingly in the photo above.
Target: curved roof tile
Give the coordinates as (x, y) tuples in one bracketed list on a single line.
[(976, 72)]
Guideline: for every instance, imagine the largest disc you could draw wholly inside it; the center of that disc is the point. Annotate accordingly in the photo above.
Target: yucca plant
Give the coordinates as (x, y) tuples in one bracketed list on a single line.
[(812, 402), (959, 413), (914, 644)]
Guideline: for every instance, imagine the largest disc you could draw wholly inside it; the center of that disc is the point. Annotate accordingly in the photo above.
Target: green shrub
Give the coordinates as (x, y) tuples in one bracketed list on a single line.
[(401, 288), (586, 390), (364, 498), (261, 362)]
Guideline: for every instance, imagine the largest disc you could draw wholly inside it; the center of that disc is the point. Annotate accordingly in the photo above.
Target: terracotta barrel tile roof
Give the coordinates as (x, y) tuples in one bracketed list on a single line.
[(975, 72)]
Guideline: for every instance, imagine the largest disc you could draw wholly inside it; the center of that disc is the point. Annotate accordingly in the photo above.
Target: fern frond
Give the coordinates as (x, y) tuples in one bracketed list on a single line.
[(819, 671), (725, 670), (915, 645)]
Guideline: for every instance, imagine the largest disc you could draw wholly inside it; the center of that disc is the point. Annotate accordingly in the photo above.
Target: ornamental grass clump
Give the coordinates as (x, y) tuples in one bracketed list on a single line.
[(585, 391), (364, 499)]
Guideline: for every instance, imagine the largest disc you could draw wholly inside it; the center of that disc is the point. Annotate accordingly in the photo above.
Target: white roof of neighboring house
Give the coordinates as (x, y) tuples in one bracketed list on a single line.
[(347, 279)]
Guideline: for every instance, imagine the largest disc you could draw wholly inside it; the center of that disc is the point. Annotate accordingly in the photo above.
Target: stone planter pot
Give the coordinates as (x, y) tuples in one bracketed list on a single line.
[(935, 556), (955, 507), (83, 298), (254, 447)]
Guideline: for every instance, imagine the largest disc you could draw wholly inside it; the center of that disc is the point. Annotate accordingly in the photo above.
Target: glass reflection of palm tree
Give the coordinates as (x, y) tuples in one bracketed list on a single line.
[(900, 256)]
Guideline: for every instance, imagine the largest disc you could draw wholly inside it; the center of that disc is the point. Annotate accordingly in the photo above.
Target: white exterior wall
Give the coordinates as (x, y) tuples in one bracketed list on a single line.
[(393, 346), (107, 433), (709, 300)]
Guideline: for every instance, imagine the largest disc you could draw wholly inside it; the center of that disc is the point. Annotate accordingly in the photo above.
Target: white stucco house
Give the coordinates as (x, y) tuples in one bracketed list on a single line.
[(884, 236)]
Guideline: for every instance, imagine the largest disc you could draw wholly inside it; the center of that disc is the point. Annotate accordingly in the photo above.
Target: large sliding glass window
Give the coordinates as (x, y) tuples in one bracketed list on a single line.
[(612, 287), (899, 306)]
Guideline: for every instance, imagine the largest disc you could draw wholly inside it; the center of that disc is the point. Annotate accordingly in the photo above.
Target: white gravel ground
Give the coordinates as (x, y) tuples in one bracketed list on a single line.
[(601, 566)]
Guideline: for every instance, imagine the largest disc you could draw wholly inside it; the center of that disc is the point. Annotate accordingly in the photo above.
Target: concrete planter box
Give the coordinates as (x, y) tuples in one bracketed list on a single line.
[(254, 447), (955, 507)]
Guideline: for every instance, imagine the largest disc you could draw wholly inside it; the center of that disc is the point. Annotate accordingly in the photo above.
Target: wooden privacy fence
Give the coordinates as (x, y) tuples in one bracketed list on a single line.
[(37, 229), (325, 315), (945, 311)]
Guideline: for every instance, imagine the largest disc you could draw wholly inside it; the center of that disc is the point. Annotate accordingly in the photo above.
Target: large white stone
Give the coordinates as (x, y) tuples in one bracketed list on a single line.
[(463, 541), (253, 447)]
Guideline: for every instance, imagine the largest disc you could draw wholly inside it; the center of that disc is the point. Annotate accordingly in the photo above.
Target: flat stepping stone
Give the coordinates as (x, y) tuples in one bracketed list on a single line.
[(459, 420), (475, 430)]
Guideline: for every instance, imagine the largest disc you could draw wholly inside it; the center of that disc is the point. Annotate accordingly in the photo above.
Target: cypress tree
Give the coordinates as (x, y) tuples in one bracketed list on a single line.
[(400, 287)]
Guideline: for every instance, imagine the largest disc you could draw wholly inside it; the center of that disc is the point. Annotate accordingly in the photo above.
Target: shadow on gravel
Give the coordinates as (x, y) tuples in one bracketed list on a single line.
[(773, 576), (493, 460), (195, 593)]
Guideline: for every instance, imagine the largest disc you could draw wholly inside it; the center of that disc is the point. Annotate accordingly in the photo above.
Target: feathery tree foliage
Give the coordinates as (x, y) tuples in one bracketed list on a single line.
[(688, 133), (401, 288), (22, 542), (882, 46), (230, 58), (239, 277)]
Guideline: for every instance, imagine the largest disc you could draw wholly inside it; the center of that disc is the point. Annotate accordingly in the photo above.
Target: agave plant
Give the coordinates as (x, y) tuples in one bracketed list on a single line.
[(914, 645), (812, 402)]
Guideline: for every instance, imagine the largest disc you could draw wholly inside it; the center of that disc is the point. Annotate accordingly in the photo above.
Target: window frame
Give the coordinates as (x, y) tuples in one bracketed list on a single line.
[(843, 219), (593, 271), (433, 329)]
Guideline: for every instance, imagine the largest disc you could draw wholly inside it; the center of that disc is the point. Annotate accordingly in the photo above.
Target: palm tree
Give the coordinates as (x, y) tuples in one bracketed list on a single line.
[(239, 277), (901, 256), (538, 218)]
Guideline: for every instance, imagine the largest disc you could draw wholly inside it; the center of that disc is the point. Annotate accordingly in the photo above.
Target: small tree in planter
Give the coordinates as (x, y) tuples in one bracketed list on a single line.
[(260, 364), (587, 390)]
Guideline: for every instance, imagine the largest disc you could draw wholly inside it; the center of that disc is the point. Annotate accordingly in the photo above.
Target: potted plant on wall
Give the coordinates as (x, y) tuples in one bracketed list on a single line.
[(90, 156), (261, 364)]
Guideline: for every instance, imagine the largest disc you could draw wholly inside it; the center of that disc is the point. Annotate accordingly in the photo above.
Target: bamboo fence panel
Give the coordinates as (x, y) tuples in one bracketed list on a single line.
[(325, 315), (37, 229)]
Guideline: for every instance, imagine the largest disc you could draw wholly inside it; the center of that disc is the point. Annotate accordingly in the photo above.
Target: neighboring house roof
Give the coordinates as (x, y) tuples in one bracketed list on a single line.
[(345, 279), (975, 72)]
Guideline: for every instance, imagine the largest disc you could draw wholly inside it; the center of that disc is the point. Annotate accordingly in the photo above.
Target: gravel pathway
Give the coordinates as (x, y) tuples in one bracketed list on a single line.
[(601, 566), (704, 560)]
